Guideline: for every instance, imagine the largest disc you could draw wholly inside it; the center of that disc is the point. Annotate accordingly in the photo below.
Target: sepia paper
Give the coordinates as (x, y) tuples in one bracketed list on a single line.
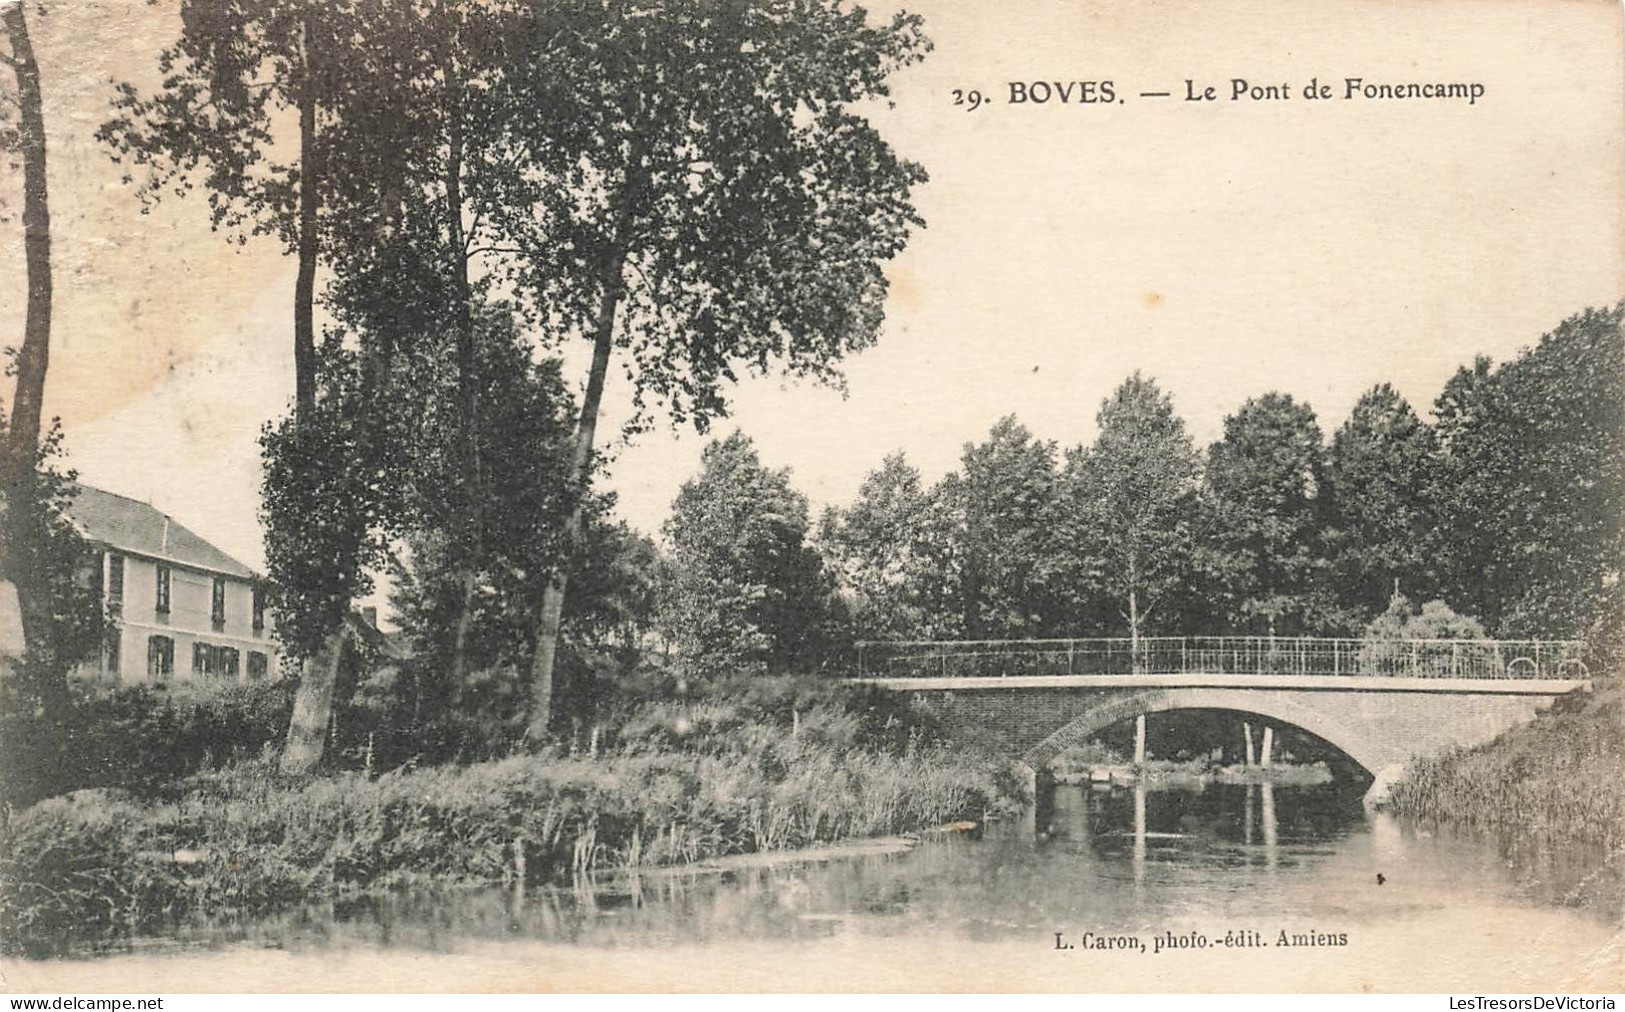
[(1230, 198)]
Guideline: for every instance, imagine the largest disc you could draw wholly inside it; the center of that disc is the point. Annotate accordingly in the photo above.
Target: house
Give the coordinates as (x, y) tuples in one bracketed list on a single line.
[(184, 610)]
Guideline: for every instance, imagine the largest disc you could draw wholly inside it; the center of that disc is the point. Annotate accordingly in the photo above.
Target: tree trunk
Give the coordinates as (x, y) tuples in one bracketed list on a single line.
[(18, 468), (313, 705), (304, 287), (547, 635), (34, 356), (470, 533), (313, 708), (1134, 631)]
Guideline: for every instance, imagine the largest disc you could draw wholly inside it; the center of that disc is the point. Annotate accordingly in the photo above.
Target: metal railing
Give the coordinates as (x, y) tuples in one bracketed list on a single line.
[(1223, 655)]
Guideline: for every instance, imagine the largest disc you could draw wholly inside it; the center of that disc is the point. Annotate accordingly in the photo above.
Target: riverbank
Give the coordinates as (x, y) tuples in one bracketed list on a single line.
[(1199, 772), (962, 908), (1559, 774), (240, 841)]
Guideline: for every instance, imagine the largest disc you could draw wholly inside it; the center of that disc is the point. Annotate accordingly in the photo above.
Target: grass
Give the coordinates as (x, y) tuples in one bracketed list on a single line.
[(1558, 774), (686, 784)]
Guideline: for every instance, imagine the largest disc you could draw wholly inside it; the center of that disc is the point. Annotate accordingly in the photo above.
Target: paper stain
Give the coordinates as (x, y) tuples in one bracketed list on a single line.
[(903, 289)]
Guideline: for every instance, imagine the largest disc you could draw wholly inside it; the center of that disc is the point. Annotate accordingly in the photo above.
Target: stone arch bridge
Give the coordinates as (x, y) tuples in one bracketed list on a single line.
[(1379, 703)]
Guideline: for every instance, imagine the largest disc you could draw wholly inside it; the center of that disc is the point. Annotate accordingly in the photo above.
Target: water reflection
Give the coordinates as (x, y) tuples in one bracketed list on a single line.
[(1266, 793), (1125, 859), (1139, 832)]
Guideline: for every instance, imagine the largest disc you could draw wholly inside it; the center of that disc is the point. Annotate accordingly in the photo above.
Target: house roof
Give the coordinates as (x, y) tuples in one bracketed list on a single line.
[(366, 635), (142, 529)]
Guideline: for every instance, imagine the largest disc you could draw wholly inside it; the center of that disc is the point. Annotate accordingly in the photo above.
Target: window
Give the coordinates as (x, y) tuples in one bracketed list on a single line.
[(110, 653), (257, 668), (115, 582), (208, 659), (259, 609), (217, 604), (163, 589), (160, 656)]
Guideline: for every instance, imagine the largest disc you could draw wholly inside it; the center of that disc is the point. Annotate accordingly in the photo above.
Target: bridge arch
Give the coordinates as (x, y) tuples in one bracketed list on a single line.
[(1368, 754)]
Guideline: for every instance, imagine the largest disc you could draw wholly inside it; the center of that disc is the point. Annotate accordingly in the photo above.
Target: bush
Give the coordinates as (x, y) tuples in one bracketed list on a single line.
[(142, 738), (77, 867), (1387, 643)]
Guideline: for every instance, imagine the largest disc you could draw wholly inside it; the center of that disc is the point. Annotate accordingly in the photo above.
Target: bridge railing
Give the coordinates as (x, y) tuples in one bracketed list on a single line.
[(1217, 655)]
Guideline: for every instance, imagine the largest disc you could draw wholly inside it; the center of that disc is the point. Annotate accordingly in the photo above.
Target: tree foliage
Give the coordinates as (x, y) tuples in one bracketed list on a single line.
[(1380, 466), (707, 162), (1268, 492), (1532, 485), (323, 507), (1132, 496), (1506, 514), (891, 549), (56, 576), (704, 197), (745, 590), (1002, 508)]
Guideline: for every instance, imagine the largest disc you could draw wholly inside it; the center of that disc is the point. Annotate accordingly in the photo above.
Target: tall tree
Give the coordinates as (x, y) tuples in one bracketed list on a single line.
[(746, 591), (425, 142), (1002, 502), (1563, 537), (704, 198), (1379, 466), (41, 553), (387, 99), (523, 440), (1132, 495), (217, 122), (33, 357), (888, 550), (1267, 479), (1471, 489)]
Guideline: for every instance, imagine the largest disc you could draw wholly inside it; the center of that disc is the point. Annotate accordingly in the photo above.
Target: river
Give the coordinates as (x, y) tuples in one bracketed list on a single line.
[(1098, 890)]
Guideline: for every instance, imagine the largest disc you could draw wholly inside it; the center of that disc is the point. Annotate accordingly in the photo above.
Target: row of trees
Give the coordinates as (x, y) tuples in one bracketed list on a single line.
[(1508, 506), (468, 185), (687, 187)]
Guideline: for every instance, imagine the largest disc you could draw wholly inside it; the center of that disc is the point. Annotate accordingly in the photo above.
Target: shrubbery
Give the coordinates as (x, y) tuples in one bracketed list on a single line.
[(139, 738), (771, 764), (1557, 774)]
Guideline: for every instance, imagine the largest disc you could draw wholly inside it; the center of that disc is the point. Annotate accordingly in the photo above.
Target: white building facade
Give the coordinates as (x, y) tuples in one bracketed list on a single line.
[(184, 610)]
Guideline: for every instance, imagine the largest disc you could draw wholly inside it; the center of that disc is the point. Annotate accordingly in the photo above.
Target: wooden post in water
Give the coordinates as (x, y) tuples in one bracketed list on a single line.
[(1247, 732), (1269, 746), (1139, 740)]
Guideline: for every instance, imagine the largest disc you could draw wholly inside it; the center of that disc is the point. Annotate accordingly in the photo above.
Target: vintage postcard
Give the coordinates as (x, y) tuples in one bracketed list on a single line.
[(734, 495)]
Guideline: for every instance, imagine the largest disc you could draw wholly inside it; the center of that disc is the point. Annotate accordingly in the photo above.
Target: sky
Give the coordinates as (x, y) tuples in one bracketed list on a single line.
[(1226, 249)]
